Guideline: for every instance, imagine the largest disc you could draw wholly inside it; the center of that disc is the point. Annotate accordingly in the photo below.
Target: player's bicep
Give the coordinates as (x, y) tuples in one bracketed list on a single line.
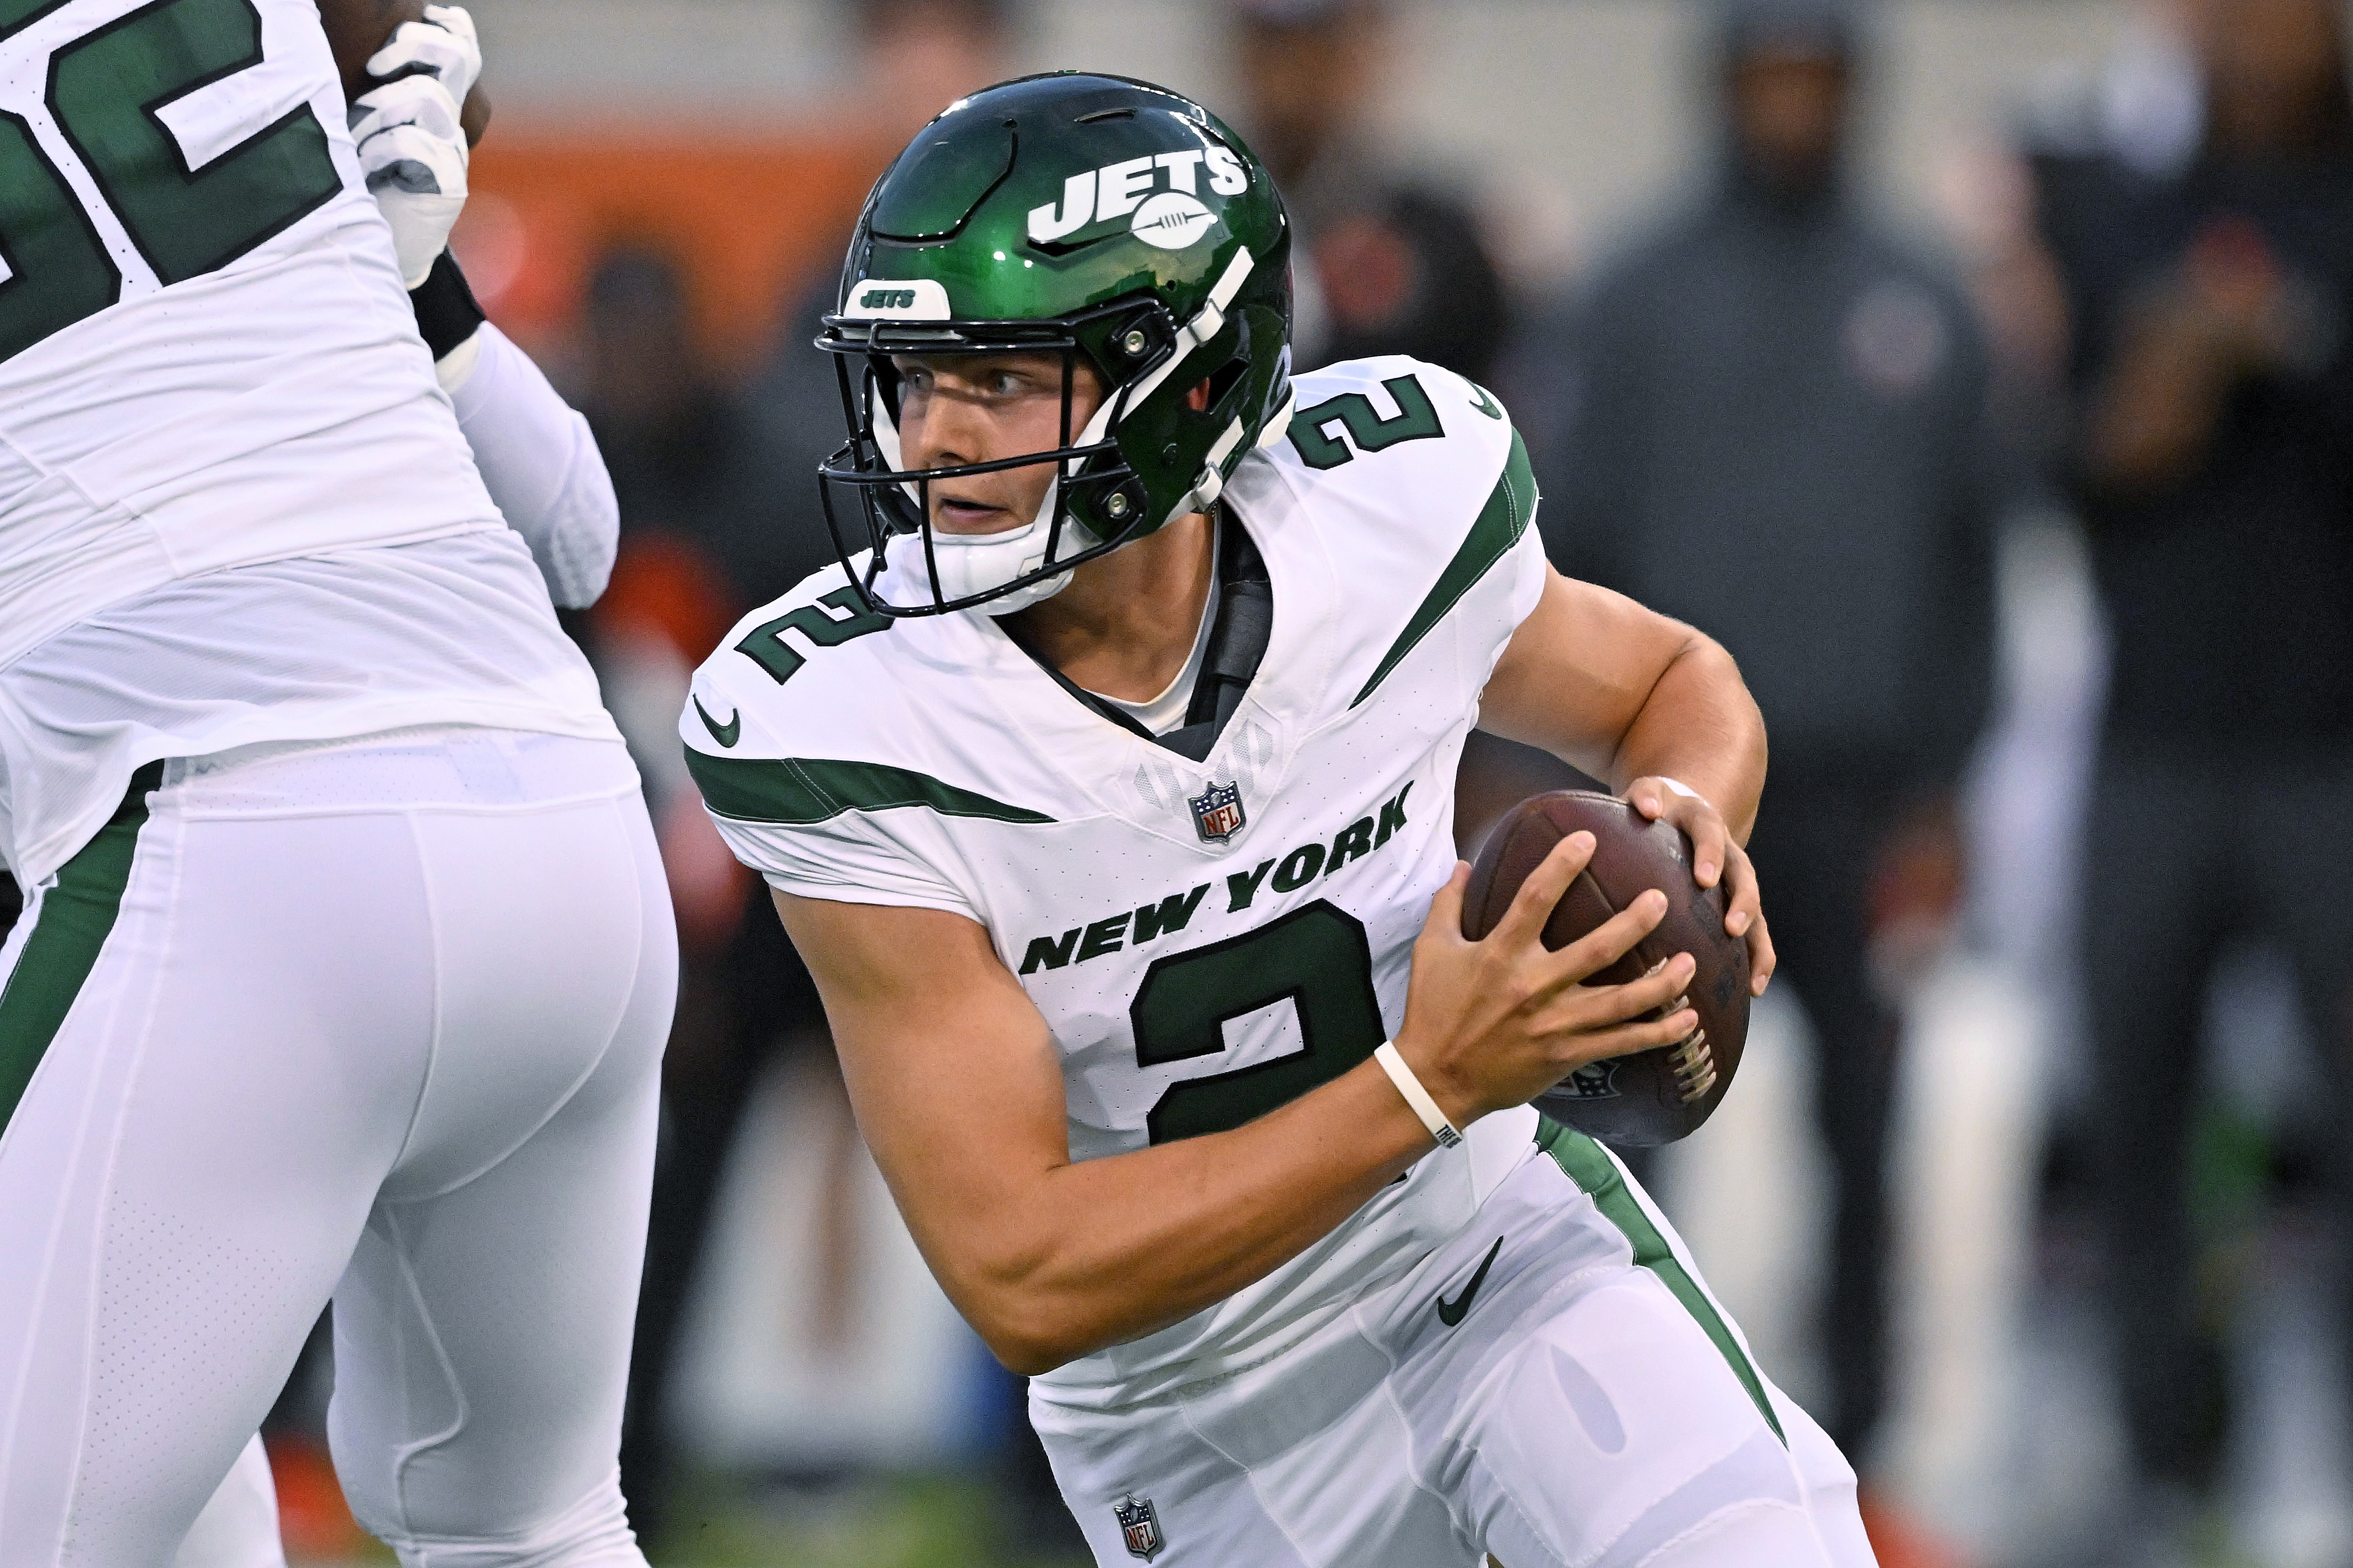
[(949, 1065), (1578, 671), (357, 29)]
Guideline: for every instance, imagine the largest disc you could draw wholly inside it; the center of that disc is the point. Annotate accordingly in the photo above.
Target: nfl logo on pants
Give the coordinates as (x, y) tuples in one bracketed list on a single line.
[(1139, 1525), (1218, 814)]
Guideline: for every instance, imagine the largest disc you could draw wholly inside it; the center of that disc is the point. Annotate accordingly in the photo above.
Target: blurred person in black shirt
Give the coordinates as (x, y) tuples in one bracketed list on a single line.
[(1774, 426), (651, 397), (691, 561), (914, 58), (2213, 464), (1396, 266), (1386, 263)]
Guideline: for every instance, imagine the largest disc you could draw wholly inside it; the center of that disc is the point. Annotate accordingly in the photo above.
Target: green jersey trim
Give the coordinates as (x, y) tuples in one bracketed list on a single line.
[(75, 919), (1498, 527), (801, 791), (18, 15), (1586, 1163)]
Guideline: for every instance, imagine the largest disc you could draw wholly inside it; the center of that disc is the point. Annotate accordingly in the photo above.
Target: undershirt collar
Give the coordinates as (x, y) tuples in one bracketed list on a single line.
[(1166, 711), (1239, 628)]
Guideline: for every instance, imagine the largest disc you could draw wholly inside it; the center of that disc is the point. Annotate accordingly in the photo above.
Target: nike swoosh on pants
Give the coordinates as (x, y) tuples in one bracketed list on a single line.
[(1453, 1312)]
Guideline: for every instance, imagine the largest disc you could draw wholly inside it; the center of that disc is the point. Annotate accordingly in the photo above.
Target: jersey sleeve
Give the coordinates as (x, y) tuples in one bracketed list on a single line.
[(1506, 596), (540, 461), (843, 860), (1424, 495), (814, 828)]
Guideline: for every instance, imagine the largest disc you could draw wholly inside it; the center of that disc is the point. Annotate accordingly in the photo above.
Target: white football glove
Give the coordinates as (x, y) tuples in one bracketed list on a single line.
[(443, 46), (412, 144)]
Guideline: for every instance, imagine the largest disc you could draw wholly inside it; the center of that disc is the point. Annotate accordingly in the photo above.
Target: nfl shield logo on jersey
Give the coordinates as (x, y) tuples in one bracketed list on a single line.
[(1218, 814), (1137, 1523)]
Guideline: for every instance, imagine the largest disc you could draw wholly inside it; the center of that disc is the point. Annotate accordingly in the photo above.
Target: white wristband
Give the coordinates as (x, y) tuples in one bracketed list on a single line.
[(1416, 1096)]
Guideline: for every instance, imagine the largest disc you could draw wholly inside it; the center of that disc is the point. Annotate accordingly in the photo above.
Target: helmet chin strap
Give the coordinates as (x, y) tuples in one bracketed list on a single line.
[(976, 563)]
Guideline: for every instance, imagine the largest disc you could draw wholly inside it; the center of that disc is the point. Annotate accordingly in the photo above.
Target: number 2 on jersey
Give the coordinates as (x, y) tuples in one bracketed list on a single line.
[(1316, 958), (106, 90), (1416, 420)]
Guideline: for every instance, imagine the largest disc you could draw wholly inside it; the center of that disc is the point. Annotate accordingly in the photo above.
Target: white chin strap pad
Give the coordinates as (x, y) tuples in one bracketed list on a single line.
[(976, 563)]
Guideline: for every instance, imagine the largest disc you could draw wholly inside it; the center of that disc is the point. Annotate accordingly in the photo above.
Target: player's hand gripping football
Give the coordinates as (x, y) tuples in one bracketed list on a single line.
[(411, 132), (1716, 857), (1490, 1024)]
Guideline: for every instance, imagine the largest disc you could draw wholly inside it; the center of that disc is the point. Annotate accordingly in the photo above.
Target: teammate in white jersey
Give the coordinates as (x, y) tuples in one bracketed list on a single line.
[(1108, 798), (347, 958)]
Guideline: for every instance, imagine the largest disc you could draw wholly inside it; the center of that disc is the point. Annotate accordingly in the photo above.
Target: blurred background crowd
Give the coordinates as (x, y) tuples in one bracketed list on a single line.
[(1977, 370)]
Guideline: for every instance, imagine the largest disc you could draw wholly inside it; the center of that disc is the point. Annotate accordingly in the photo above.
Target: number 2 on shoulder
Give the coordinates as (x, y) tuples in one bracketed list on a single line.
[(1312, 430)]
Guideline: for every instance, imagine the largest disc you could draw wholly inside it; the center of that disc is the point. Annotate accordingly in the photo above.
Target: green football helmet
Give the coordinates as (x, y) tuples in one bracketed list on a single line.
[(1078, 215)]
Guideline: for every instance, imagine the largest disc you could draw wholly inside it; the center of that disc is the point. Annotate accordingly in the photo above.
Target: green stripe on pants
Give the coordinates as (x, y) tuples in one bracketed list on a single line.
[(73, 924), (1583, 1162)]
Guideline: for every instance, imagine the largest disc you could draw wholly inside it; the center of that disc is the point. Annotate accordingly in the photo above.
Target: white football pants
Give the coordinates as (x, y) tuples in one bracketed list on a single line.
[(1554, 1386), (238, 1528), (378, 1020)]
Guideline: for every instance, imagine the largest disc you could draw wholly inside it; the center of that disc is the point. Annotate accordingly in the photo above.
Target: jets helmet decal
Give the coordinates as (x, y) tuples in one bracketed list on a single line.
[(1110, 223)]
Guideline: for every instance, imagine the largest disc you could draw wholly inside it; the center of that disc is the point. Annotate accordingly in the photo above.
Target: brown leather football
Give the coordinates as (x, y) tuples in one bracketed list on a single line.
[(1656, 1096)]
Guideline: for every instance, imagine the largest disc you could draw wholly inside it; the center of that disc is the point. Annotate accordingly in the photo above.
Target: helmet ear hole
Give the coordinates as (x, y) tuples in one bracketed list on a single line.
[(1223, 380), (886, 386)]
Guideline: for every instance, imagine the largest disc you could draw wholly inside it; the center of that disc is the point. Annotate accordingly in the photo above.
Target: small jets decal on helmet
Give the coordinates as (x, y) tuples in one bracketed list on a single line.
[(891, 300)]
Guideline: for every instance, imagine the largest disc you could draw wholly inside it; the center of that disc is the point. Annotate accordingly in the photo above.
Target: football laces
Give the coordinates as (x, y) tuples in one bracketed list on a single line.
[(1692, 1062)]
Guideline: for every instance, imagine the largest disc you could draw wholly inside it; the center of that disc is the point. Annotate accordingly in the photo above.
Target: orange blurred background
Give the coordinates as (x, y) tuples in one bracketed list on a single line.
[(749, 219)]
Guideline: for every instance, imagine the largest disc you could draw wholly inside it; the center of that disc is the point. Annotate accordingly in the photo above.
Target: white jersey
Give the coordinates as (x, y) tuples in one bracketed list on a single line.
[(448, 631), (1205, 941), (207, 363)]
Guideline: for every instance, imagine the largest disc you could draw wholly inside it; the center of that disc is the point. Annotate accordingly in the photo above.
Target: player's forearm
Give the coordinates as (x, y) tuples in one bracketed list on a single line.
[(961, 1095), (1700, 727), (1102, 1252), (541, 464)]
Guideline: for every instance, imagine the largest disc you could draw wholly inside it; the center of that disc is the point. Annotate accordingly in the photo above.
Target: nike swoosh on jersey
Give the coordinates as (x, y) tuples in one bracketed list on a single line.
[(727, 734), (1453, 1312)]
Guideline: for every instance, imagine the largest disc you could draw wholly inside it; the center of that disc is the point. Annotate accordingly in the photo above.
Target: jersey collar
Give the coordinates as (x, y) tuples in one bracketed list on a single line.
[(1107, 756)]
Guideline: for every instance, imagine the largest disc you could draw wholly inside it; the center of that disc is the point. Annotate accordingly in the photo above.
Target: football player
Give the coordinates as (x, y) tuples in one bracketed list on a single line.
[(538, 461), (1106, 795), (347, 959)]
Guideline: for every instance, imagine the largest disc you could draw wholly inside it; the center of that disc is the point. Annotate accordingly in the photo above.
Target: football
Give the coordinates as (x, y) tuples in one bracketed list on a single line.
[(1656, 1096)]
